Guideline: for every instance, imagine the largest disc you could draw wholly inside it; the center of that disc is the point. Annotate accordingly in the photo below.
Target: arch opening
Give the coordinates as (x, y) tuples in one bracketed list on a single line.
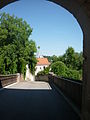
[(78, 10)]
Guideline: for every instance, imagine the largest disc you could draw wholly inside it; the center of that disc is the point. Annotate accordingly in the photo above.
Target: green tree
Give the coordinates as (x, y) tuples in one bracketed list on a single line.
[(72, 59), (44, 72), (54, 58), (16, 50), (73, 74), (30, 55), (69, 57), (59, 68)]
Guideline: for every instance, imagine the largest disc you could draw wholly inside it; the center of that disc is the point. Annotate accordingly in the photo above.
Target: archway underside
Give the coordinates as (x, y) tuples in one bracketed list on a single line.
[(81, 11), (65, 3)]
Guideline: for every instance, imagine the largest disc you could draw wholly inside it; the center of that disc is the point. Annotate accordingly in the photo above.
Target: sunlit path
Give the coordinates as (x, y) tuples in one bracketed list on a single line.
[(30, 85), (34, 101)]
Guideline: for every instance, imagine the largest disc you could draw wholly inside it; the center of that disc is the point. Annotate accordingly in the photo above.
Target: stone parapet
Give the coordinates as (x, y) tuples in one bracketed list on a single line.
[(10, 79), (70, 88)]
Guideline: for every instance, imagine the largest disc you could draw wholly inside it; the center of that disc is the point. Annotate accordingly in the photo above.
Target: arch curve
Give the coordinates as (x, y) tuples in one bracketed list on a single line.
[(80, 9)]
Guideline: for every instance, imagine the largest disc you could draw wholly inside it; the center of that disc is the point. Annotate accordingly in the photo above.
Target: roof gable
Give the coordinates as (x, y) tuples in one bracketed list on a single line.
[(43, 61)]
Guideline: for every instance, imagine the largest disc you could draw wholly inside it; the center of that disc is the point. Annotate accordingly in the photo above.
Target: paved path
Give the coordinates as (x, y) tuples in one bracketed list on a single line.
[(34, 101), (30, 85)]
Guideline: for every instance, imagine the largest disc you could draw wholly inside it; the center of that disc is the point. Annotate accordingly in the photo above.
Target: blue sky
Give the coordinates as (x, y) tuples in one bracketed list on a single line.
[(54, 28)]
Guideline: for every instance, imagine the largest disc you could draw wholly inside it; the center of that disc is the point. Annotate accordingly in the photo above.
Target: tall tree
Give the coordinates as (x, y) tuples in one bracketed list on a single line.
[(15, 46), (69, 57)]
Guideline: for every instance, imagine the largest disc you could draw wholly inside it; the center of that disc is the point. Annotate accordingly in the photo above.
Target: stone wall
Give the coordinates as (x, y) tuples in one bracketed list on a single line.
[(10, 79), (70, 88), (42, 78)]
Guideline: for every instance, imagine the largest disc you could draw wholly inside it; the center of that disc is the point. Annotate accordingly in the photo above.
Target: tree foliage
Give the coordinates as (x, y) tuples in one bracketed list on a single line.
[(60, 69), (16, 50), (44, 72), (72, 60)]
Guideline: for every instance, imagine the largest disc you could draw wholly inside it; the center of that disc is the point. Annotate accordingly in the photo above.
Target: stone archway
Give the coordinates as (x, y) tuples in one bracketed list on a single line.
[(81, 11)]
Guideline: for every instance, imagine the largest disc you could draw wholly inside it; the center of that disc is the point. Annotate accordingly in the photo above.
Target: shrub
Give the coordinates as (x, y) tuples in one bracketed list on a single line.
[(44, 72), (59, 68), (73, 74)]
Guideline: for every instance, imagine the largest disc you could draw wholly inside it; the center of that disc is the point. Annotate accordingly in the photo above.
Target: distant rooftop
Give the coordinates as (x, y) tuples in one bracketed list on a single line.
[(43, 61)]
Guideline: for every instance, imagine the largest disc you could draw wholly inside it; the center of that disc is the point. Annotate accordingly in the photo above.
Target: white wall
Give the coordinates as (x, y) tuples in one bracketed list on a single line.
[(29, 76), (40, 68)]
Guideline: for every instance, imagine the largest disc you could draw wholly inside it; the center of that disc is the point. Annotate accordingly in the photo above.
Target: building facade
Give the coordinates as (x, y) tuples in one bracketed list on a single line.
[(41, 64)]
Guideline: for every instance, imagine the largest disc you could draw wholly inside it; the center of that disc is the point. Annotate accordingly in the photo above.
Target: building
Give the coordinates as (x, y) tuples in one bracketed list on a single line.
[(41, 64)]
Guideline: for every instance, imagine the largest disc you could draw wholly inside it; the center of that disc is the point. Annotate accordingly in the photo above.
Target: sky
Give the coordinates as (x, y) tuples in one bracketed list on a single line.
[(54, 28)]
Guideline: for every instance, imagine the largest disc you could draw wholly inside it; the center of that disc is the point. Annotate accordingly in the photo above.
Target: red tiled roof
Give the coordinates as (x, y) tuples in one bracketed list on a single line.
[(43, 61)]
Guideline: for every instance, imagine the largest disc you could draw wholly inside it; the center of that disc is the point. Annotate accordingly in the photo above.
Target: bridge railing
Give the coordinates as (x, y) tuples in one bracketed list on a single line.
[(70, 88), (10, 79), (7, 79)]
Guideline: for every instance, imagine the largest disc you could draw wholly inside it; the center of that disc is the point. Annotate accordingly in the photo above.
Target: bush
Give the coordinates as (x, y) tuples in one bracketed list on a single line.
[(73, 74), (44, 72), (59, 68)]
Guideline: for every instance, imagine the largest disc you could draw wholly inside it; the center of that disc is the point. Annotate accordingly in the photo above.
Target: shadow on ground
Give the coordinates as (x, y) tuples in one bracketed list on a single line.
[(22, 104)]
